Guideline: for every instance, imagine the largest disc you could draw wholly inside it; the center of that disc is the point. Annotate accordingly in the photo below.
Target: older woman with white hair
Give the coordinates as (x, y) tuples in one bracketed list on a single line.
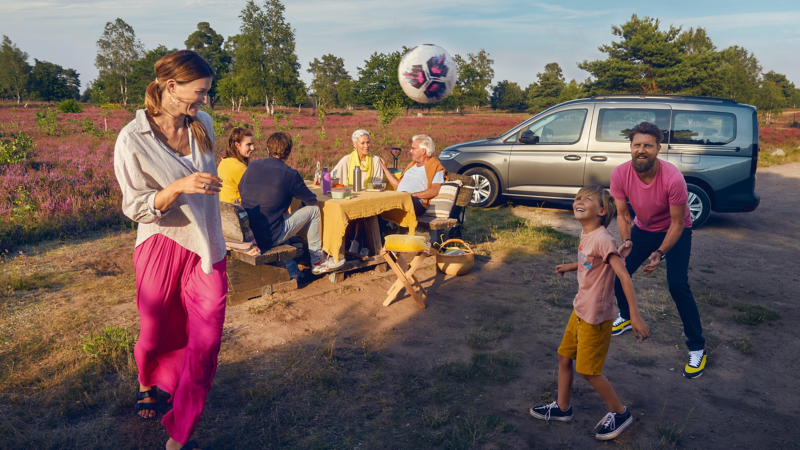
[(369, 164)]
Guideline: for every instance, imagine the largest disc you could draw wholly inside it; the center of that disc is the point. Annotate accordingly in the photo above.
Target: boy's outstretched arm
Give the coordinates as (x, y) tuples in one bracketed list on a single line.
[(564, 268), (640, 329)]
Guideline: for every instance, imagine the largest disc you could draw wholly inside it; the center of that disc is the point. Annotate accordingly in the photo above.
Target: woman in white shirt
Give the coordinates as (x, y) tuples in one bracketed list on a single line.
[(164, 163)]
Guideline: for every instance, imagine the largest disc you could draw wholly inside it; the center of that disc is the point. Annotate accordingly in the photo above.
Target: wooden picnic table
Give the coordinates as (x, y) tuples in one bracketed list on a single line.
[(337, 214)]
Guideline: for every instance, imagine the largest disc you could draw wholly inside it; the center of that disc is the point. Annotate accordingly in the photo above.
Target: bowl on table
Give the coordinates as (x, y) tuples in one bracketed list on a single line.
[(339, 193)]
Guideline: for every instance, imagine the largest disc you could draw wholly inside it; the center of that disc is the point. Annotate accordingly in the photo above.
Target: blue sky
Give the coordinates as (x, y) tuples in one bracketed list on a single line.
[(521, 37)]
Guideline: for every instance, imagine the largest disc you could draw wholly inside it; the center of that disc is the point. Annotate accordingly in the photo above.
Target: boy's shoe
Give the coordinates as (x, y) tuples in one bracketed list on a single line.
[(326, 265), (697, 363), (620, 326), (551, 412), (613, 424)]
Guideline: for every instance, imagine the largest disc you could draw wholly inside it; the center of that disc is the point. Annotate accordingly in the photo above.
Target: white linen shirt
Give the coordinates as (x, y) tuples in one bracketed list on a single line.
[(144, 166), (416, 180)]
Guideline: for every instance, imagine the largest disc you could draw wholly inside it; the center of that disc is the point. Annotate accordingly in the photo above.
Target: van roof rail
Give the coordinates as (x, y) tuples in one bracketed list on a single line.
[(664, 97)]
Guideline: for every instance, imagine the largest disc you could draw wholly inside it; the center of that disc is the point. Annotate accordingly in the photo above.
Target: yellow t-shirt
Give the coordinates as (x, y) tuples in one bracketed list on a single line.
[(231, 171)]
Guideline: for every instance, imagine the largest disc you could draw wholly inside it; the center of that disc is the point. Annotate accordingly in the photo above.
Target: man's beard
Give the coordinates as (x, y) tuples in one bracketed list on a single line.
[(642, 166)]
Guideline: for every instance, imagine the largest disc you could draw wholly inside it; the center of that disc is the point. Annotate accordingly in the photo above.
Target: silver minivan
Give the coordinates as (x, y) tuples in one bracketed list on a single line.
[(713, 141)]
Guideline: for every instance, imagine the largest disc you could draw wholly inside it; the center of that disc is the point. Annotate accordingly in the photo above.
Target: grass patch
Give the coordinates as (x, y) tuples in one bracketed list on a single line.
[(110, 348), (744, 345), (483, 336), (499, 367), (753, 314), (711, 298), (498, 231), (671, 436)]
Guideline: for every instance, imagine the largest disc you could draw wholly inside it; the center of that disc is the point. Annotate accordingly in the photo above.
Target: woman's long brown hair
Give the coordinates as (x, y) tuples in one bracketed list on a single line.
[(183, 66), (236, 136)]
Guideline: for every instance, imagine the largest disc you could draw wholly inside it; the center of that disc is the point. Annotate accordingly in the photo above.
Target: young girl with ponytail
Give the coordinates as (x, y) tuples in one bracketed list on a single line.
[(234, 163)]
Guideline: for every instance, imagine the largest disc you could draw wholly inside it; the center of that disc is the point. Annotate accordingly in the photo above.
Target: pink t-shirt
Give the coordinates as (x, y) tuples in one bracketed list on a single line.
[(651, 202), (594, 302)]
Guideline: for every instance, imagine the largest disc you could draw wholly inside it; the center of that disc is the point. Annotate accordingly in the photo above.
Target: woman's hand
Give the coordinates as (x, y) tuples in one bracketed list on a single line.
[(196, 183)]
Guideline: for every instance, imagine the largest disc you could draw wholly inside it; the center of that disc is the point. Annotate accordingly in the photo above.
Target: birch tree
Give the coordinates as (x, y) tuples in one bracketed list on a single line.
[(118, 49)]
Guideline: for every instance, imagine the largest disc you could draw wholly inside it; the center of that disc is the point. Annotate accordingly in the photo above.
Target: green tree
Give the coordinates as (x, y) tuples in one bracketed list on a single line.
[(645, 60), (789, 91), (770, 100), (507, 96), (265, 61), (211, 46), (144, 72), (329, 73), (14, 70), (345, 93), (546, 91), (118, 49), (51, 82), (571, 91), (377, 80), (740, 73), (700, 67), (475, 76), (231, 90)]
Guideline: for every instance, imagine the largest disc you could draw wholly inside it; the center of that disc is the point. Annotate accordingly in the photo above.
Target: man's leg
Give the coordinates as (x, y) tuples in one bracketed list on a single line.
[(678, 280), (644, 244), (306, 217)]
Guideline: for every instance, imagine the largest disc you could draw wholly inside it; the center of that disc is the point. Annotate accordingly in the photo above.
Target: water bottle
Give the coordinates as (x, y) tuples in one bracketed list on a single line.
[(318, 175), (357, 179), (326, 181)]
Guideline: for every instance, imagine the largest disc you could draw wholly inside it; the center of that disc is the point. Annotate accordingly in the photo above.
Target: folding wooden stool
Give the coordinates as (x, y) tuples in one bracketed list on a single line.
[(405, 275)]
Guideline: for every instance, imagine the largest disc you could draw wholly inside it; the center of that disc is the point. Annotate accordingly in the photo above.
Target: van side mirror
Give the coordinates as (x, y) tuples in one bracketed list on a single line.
[(528, 137)]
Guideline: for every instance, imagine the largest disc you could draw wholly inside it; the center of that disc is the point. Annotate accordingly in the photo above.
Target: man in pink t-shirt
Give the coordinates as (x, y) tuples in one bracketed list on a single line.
[(656, 190)]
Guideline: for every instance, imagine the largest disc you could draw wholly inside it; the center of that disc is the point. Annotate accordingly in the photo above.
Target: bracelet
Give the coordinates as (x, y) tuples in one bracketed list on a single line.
[(626, 240), (661, 253)]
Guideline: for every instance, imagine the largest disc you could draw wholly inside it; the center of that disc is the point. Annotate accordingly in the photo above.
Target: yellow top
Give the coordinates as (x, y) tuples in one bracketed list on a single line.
[(231, 171)]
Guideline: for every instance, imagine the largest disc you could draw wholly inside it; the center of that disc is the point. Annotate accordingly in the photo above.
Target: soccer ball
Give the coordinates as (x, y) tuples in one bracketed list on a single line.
[(427, 73)]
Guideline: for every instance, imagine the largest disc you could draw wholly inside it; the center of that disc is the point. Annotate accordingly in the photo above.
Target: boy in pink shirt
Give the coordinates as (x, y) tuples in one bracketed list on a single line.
[(588, 334)]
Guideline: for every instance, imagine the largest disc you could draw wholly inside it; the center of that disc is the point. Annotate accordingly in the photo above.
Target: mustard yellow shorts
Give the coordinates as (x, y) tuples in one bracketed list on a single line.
[(587, 344)]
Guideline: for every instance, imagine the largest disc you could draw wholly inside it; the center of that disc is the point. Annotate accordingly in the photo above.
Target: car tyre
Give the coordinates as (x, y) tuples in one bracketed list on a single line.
[(487, 188), (699, 205)]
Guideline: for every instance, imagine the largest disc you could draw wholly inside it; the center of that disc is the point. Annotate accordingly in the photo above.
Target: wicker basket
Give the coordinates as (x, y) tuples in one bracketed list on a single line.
[(455, 264)]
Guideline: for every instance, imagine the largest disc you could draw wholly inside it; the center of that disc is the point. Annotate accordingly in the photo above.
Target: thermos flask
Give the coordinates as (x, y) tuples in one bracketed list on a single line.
[(357, 179)]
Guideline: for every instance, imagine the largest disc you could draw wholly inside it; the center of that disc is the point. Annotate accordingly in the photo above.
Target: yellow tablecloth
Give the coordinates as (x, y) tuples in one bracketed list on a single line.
[(397, 207)]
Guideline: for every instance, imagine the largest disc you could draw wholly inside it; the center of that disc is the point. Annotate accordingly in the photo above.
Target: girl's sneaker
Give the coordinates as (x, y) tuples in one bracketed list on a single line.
[(613, 424), (696, 365), (551, 412), (620, 326)]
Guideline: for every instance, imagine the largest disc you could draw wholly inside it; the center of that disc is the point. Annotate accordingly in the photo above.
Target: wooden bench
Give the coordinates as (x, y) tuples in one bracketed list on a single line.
[(252, 276)]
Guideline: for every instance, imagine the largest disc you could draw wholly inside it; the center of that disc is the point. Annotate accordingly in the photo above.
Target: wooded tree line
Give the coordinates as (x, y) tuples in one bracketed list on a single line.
[(259, 66)]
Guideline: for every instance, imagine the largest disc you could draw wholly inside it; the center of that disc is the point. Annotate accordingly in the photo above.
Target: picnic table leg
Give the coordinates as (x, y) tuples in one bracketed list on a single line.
[(373, 231)]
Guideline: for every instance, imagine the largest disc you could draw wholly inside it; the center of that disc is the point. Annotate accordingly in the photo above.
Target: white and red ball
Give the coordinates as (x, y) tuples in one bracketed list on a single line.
[(427, 73)]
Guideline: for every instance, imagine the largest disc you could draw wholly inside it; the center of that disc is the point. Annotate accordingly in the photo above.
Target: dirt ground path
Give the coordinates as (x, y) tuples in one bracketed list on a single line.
[(741, 401)]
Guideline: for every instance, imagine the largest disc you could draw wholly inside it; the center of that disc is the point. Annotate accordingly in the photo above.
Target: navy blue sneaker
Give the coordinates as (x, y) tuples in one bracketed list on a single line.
[(613, 424), (551, 412)]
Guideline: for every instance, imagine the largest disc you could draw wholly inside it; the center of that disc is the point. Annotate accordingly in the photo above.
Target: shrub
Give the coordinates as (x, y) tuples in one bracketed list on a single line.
[(16, 150), (110, 348), (47, 121), (108, 106), (70, 106)]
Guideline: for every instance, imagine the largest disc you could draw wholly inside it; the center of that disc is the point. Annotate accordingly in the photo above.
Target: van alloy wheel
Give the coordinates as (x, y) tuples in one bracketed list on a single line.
[(482, 189), (695, 206), (699, 205), (487, 188)]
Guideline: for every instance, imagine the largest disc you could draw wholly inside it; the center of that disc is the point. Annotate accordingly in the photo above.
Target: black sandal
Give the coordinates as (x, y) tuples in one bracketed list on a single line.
[(190, 446), (152, 393)]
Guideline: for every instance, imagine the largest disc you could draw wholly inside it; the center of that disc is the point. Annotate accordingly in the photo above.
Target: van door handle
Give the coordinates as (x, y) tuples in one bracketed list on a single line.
[(598, 158), (572, 157)]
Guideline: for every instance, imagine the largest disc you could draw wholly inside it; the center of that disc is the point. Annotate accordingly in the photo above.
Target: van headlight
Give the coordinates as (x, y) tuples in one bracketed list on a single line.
[(449, 154)]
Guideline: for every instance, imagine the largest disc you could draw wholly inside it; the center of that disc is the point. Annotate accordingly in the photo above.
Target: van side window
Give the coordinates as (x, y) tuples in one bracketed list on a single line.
[(563, 127), (703, 128), (615, 124)]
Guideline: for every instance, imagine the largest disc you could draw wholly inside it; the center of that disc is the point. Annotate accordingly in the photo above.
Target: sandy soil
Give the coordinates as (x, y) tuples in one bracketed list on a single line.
[(740, 402)]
